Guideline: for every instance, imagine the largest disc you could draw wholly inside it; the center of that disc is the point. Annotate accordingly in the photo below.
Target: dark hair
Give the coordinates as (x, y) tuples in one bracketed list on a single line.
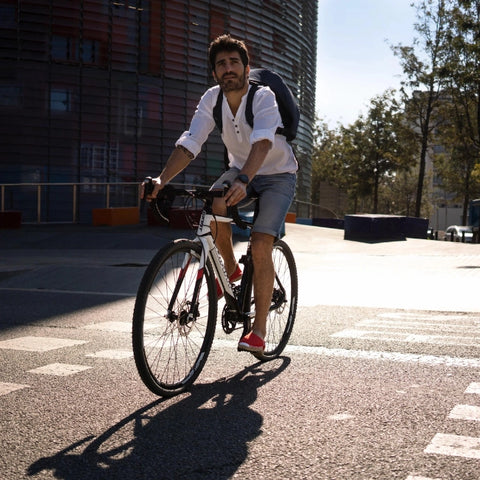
[(225, 43)]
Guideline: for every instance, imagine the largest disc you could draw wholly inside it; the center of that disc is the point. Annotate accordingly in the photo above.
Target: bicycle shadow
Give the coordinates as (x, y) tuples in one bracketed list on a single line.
[(204, 435)]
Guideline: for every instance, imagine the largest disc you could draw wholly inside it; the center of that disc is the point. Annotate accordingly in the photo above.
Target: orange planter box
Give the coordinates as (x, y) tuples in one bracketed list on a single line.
[(115, 216), (291, 217), (10, 219)]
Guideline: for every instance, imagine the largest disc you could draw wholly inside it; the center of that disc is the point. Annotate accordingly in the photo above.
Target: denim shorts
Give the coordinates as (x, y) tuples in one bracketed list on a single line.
[(275, 194)]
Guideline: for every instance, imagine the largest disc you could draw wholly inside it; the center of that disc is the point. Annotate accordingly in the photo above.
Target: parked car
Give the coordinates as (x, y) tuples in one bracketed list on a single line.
[(457, 233)]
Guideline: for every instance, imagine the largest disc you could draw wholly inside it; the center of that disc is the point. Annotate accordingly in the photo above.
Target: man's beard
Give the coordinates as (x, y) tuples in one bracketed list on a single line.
[(233, 83)]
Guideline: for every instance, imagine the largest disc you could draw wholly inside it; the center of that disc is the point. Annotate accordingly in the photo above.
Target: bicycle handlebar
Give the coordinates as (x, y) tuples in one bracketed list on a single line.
[(164, 200)]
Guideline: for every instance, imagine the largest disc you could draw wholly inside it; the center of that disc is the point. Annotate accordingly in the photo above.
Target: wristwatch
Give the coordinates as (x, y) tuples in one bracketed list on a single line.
[(243, 178)]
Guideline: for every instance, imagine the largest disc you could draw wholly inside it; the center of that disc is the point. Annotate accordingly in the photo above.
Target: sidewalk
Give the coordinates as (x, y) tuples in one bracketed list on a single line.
[(411, 274)]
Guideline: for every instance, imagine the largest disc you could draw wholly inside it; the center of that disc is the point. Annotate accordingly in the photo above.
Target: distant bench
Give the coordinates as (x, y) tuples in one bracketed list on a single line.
[(113, 216)]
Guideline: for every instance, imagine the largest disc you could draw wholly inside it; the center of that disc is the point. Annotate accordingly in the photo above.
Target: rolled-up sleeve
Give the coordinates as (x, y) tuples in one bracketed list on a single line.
[(266, 115), (201, 125)]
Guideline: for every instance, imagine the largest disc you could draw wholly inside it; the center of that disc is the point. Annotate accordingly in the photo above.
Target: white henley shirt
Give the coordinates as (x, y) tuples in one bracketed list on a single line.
[(238, 136)]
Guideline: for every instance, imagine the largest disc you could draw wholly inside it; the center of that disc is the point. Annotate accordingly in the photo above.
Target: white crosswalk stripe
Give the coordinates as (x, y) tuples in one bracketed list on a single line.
[(465, 412), (458, 445), (42, 344), (419, 477), (39, 344), (6, 387), (59, 369), (454, 445), (433, 329), (473, 388)]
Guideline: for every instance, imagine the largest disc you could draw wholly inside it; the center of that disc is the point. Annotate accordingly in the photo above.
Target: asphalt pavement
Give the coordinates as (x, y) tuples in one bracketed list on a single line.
[(410, 274), (385, 345)]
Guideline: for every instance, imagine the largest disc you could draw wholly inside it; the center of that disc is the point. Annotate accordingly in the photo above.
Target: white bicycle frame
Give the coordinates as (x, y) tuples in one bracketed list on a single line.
[(209, 249)]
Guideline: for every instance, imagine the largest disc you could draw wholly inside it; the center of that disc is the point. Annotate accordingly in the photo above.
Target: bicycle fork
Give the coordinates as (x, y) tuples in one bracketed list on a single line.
[(189, 315)]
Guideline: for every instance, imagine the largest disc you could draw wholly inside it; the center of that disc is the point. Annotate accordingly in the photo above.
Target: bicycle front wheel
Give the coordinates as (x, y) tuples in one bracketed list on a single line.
[(284, 302), (174, 318)]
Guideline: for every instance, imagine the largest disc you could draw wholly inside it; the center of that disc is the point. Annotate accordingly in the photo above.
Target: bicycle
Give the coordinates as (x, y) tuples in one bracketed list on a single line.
[(175, 312)]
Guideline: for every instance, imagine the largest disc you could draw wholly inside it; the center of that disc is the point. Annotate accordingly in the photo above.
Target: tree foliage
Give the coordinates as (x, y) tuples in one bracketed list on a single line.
[(423, 84), (376, 158), (460, 132), (365, 156)]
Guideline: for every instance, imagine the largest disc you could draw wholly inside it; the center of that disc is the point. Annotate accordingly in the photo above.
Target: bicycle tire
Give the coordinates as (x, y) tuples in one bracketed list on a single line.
[(280, 320), (170, 347)]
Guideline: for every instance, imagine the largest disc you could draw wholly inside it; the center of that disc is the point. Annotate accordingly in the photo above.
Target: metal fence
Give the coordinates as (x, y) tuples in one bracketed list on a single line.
[(65, 202), (74, 202)]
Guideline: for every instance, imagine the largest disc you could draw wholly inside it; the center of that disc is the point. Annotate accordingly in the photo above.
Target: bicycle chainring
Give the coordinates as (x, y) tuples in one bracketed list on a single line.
[(229, 319)]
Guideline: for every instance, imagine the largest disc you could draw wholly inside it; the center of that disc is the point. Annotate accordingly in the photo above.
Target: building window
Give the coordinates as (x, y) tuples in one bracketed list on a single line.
[(60, 100), (63, 48), (8, 16), (67, 49), (10, 96), (133, 119), (98, 160)]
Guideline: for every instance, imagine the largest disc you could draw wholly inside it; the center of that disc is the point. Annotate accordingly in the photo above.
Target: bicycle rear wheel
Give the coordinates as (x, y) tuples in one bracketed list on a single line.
[(284, 302), (172, 332)]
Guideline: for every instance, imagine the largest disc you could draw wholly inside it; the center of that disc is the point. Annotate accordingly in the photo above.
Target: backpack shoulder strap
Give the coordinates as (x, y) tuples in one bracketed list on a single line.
[(249, 106), (217, 111)]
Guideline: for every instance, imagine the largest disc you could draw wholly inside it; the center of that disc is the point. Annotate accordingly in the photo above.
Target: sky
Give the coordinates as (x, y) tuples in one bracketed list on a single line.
[(354, 60)]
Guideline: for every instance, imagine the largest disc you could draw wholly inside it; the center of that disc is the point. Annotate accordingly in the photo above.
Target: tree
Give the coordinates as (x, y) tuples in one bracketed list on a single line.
[(362, 158), (383, 146), (325, 164), (422, 88), (458, 164), (460, 133)]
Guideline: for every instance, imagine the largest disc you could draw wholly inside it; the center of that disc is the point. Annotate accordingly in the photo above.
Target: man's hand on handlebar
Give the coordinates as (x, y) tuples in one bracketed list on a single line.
[(236, 193), (150, 188)]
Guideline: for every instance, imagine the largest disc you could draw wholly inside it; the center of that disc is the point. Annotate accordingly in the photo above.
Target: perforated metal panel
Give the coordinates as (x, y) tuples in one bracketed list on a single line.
[(95, 90)]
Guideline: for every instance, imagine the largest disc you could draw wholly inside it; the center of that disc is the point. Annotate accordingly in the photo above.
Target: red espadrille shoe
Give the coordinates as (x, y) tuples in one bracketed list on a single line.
[(251, 343)]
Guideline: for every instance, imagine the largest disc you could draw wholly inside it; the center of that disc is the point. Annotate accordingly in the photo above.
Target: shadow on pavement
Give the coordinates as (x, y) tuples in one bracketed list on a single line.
[(204, 435)]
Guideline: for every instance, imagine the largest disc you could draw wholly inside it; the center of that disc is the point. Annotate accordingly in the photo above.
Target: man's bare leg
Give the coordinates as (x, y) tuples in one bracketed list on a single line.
[(222, 233), (263, 279)]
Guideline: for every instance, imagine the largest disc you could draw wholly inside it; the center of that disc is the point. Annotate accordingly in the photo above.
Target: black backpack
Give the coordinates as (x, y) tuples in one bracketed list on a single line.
[(287, 104)]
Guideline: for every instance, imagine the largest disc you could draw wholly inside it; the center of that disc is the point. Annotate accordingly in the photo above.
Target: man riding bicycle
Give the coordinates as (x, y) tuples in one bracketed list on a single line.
[(261, 164)]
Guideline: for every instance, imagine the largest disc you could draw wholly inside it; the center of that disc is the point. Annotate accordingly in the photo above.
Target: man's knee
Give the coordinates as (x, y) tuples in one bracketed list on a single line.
[(262, 244)]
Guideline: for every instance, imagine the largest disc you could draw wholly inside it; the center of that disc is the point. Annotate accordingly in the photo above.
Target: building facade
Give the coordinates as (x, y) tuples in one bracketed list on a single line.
[(95, 91)]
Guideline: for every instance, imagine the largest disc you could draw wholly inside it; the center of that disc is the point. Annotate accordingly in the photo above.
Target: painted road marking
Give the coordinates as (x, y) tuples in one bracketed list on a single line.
[(70, 292), (419, 477), (465, 412), (406, 327), (473, 388), (420, 325), (340, 417), (387, 356), (454, 445), (369, 355), (59, 369), (111, 354), (39, 344), (121, 327), (382, 335), (428, 316), (10, 387)]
